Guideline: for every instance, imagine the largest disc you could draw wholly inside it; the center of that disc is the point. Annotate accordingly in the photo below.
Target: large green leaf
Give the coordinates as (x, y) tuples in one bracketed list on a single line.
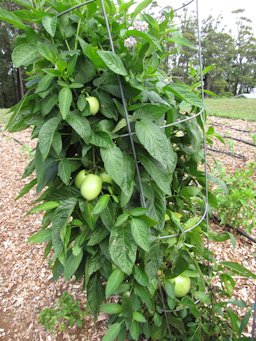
[(122, 248), (107, 107), (239, 269), (95, 295), (12, 19), (59, 221), (101, 204), (141, 6), (128, 174), (111, 308), (101, 139), (140, 233), (159, 174), (91, 52), (46, 51), (50, 24), (153, 260), (46, 135), (81, 125), (114, 281), (72, 265), (44, 83), (57, 142), (154, 140), (179, 40), (112, 332), (65, 170), (113, 62), (140, 276), (26, 188), (150, 111), (24, 54), (24, 3), (65, 100), (184, 93), (98, 234), (157, 205), (41, 236), (85, 71), (114, 163), (145, 296), (48, 103), (48, 205)]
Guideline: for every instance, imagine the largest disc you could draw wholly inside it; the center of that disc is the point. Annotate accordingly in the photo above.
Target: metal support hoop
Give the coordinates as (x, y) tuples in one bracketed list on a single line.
[(191, 228), (170, 124)]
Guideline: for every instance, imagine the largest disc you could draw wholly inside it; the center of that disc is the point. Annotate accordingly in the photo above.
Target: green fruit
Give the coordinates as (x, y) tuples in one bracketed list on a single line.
[(94, 105), (106, 178), (79, 179), (181, 285), (91, 187)]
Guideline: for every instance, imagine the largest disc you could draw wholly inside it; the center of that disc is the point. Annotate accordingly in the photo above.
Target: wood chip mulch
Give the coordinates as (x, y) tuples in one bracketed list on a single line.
[(25, 279)]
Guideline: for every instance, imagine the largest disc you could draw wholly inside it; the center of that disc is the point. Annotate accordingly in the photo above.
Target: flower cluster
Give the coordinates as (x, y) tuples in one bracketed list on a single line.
[(139, 26)]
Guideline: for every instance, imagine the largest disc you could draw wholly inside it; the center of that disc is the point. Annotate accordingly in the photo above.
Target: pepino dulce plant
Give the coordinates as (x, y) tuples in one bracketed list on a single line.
[(95, 224)]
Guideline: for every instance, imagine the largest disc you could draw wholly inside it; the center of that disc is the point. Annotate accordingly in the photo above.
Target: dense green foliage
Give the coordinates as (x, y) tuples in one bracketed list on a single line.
[(66, 313), (112, 242)]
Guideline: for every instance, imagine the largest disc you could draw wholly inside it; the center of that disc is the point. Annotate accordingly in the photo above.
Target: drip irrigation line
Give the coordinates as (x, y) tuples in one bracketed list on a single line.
[(223, 125), (185, 5), (240, 140), (237, 229), (238, 156), (14, 139)]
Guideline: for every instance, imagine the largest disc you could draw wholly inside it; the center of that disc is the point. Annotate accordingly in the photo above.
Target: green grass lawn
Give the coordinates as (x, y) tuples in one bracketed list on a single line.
[(4, 116), (242, 108)]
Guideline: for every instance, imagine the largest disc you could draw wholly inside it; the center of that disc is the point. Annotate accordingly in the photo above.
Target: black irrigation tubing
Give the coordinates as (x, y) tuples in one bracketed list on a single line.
[(240, 140), (237, 156), (14, 139), (224, 125), (237, 229)]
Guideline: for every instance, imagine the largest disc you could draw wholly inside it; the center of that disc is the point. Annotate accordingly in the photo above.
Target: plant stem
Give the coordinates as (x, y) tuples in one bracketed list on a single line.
[(77, 33)]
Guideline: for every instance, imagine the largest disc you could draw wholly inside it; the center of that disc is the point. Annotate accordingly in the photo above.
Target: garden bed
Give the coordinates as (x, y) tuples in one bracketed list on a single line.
[(25, 280)]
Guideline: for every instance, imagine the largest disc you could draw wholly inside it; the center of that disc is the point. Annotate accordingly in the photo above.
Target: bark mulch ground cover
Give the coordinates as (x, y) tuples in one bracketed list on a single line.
[(25, 279)]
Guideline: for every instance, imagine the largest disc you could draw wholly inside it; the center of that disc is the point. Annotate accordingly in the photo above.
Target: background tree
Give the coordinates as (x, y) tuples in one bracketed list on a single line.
[(233, 55), (11, 79), (244, 74)]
